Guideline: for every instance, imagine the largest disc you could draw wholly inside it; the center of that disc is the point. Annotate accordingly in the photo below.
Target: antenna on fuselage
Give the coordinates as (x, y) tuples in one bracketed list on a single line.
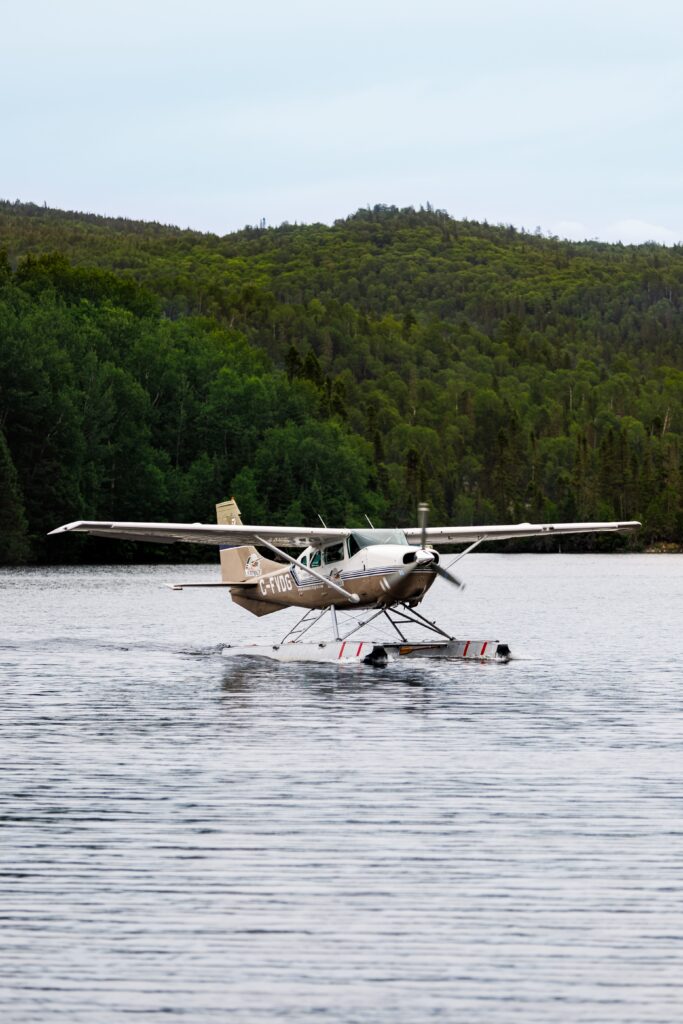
[(322, 520), (369, 520)]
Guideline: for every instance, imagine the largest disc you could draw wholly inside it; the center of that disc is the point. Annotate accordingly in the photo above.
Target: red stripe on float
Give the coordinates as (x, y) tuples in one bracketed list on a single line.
[(359, 649), (467, 647), (341, 650), (485, 645)]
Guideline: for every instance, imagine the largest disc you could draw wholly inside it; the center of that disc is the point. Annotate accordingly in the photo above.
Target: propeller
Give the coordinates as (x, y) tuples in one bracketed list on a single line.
[(446, 575), (423, 557)]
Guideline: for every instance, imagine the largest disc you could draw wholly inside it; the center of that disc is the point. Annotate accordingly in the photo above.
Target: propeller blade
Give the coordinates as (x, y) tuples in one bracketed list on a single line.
[(448, 576), (422, 514), (401, 574), (423, 557)]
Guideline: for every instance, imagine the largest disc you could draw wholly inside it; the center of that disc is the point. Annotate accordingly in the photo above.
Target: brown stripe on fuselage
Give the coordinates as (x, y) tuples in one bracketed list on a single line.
[(277, 590)]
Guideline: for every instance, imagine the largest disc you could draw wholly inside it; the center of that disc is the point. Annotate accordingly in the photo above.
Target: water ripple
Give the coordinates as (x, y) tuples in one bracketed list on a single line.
[(187, 835)]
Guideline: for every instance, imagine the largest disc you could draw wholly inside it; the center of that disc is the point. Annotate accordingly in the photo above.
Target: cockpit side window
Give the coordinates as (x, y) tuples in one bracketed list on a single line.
[(315, 560), (334, 553), (304, 559)]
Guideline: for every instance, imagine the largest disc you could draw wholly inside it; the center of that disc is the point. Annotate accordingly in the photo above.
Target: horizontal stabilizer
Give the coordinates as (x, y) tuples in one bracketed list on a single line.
[(183, 586)]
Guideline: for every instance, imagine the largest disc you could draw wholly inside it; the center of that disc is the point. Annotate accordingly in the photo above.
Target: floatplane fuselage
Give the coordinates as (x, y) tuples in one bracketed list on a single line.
[(369, 565)]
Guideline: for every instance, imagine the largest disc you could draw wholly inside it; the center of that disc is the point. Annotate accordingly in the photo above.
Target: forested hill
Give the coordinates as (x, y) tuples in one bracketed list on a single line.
[(146, 371)]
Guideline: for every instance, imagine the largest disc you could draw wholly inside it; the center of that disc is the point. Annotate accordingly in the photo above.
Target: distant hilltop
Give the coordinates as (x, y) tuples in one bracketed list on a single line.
[(46, 215), (395, 355)]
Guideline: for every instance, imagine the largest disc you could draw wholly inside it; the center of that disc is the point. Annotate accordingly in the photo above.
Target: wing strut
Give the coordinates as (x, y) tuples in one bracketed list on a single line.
[(465, 552), (353, 598)]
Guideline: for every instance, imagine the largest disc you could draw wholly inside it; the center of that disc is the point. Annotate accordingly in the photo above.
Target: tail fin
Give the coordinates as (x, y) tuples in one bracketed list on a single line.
[(228, 514), (240, 564)]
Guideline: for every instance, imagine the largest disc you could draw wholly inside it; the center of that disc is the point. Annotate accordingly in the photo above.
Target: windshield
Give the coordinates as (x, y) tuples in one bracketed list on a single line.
[(366, 538)]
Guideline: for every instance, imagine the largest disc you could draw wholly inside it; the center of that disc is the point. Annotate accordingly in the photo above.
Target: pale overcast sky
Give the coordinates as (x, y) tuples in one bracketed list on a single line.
[(212, 115)]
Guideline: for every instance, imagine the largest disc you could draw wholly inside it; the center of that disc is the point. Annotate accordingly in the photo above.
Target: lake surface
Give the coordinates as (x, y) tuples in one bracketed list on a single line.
[(228, 840)]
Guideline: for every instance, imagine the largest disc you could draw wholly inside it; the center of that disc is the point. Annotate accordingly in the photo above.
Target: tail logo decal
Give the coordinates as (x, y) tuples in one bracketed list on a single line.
[(252, 566)]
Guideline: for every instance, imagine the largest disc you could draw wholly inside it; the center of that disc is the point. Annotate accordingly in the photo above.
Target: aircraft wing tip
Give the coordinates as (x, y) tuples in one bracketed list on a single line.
[(66, 528)]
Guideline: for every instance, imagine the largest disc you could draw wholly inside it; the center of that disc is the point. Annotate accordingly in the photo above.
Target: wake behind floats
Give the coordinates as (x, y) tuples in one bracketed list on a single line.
[(351, 584)]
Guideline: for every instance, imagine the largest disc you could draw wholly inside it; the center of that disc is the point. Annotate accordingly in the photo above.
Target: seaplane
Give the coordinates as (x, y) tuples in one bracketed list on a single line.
[(351, 584)]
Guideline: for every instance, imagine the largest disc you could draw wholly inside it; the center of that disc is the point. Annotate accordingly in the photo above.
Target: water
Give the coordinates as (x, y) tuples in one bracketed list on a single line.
[(228, 840)]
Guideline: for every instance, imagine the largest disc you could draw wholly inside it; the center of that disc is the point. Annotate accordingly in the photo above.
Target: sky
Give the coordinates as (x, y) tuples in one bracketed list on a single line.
[(213, 114)]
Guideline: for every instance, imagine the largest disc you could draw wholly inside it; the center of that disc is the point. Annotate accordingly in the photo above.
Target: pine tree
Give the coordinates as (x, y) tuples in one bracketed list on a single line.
[(14, 543)]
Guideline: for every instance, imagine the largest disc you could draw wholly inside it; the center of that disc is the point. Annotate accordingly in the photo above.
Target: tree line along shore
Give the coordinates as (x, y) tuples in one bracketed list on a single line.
[(147, 372)]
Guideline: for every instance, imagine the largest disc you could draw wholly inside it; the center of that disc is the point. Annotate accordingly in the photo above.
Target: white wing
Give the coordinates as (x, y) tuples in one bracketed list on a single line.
[(203, 533), (302, 536), (469, 534)]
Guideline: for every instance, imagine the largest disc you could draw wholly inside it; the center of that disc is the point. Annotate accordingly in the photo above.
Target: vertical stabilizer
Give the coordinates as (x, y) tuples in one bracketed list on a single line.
[(228, 514), (233, 560)]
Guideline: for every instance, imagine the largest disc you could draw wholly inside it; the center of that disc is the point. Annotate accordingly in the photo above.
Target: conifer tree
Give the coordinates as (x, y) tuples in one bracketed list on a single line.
[(14, 543)]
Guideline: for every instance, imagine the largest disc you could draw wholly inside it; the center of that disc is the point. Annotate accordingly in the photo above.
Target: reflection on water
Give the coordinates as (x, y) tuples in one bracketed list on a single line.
[(239, 839)]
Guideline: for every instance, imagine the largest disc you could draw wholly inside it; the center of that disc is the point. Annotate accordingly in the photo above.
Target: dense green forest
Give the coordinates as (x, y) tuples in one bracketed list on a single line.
[(147, 371)]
